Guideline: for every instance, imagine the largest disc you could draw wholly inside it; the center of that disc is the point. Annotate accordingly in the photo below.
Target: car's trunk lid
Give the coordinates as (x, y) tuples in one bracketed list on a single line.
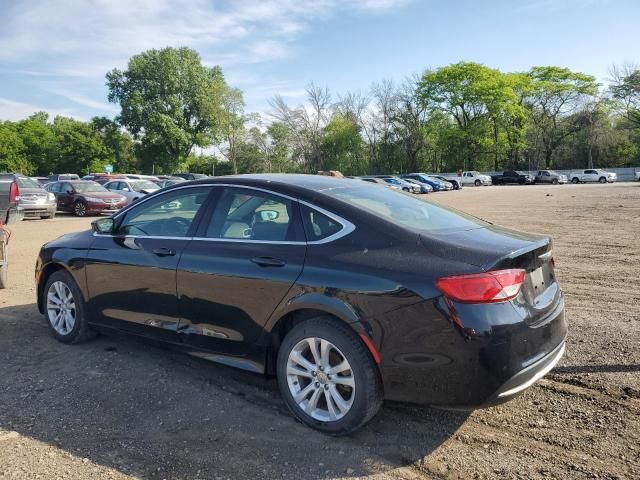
[(496, 248)]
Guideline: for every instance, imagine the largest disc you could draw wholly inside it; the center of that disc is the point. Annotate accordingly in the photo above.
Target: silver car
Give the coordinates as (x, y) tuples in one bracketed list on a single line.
[(133, 190), (35, 200), (549, 176)]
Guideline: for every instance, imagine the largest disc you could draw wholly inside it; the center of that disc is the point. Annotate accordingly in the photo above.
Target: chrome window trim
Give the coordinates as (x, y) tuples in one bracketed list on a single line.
[(347, 226)]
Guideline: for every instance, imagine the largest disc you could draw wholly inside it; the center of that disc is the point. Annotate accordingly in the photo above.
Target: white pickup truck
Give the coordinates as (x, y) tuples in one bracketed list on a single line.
[(592, 175), (475, 178)]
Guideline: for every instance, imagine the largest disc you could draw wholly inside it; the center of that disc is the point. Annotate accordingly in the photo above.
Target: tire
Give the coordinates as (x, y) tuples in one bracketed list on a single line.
[(360, 402), (554, 181), (80, 209), (71, 327), (602, 180), (575, 180), (477, 183), (456, 185)]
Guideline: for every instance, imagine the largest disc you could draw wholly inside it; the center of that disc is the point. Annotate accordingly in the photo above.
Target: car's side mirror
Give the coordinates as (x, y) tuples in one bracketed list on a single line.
[(70, 191), (268, 215), (103, 225), (125, 189)]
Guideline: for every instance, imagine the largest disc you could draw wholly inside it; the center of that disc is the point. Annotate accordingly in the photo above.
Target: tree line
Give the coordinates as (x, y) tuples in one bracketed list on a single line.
[(179, 115)]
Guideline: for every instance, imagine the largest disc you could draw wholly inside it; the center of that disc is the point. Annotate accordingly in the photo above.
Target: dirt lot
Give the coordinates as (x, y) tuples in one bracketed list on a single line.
[(114, 408)]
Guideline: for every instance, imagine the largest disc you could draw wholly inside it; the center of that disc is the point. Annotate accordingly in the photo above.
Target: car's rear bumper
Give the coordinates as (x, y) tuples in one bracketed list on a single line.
[(14, 215), (468, 356), (526, 377)]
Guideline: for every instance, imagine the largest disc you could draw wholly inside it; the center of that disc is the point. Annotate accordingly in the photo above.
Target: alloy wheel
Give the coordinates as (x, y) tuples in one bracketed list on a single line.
[(80, 209), (61, 308), (320, 379)]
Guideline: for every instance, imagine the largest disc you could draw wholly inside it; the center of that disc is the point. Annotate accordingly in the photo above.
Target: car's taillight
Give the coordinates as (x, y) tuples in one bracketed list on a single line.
[(489, 287), (14, 193)]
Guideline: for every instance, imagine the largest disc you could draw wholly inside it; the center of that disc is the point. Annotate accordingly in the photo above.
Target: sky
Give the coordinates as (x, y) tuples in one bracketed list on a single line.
[(54, 54)]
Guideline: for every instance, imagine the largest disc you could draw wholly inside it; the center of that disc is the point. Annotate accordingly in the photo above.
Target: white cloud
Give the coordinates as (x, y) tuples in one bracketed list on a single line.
[(12, 110)]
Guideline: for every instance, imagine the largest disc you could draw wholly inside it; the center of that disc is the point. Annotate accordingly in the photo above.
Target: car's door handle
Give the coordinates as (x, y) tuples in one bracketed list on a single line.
[(268, 262), (164, 252)]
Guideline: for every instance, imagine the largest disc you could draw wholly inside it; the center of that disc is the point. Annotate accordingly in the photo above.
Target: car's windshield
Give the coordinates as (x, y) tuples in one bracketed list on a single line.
[(406, 210), (140, 185), (88, 187), (393, 181), (26, 182)]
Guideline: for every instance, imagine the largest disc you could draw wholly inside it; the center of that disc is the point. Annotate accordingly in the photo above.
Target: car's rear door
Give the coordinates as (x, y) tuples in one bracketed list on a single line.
[(131, 274), (248, 252)]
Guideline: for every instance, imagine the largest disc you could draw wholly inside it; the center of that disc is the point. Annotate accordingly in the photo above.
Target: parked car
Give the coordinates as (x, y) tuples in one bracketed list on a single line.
[(512, 176), (424, 187), (41, 180), (475, 178), (638, 176), (454, 180), (10, 209), (400, 182), (348, 293), (592, 175), (35, 200), (103, 178), (84, 198), (139, 176), (133, 190), (437, 185), (167, 182), (380, 181), (549, 176), (190, 176), (10, 212), (63, 176)]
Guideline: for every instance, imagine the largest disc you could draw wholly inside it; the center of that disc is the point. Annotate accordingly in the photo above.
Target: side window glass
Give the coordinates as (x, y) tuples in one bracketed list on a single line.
[(317, 225), (244, 214), (168, 215)]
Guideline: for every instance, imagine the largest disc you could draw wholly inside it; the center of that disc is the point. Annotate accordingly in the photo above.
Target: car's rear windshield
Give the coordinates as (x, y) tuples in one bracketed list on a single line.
[(26, 182), (140, 185), (88, 187), (406, 210)]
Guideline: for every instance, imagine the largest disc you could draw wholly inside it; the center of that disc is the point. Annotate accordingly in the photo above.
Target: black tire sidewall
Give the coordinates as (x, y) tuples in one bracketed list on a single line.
[(368, 392), (75, 335)]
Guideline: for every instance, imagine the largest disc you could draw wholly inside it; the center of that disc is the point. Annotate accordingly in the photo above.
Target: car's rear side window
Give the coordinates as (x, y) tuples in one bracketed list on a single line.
[(317, 225), (405, 210)]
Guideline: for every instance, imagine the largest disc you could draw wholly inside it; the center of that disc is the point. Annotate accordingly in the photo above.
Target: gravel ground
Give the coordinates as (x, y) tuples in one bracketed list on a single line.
[(115, 408)]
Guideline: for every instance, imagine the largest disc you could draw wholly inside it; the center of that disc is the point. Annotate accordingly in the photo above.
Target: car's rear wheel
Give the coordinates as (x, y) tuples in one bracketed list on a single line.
[(574, 180), (80, 209), (327, 376), (64, 309), (477, 183)]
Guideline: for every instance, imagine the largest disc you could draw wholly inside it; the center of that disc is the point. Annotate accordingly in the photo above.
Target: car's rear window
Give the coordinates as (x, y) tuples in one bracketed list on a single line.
[(88, 187), (405, 210), (26, 182)]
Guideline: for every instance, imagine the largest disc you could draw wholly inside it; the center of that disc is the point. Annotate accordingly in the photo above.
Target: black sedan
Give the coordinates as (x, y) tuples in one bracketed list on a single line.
[(347, 292)]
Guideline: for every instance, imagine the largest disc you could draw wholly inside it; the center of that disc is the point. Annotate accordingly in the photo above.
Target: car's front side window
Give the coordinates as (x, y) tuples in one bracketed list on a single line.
[(168, 215), (245, 214)]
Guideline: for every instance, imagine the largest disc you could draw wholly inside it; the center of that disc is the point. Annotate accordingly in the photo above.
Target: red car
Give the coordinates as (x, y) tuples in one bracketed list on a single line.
[(85, 198)]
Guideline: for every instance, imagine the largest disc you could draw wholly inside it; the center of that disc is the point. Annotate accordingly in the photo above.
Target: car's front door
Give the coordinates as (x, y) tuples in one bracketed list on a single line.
[(131, 274), (243, 261)]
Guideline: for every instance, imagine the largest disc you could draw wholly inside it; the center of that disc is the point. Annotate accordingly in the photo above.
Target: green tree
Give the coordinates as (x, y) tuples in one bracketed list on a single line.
[(119, 143), (170, 101), (78, 147), (39, 142), (342, 146), (12, 150), (557, 92)]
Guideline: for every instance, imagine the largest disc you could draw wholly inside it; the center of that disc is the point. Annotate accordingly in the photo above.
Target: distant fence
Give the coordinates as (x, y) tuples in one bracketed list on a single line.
[(624, 174)]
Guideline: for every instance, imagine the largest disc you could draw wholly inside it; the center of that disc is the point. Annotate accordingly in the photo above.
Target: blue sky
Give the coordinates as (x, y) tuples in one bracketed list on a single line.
[(54, 54)]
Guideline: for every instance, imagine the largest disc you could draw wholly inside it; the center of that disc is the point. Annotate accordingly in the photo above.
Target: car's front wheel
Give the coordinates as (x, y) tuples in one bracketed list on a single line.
[(327, 376), (602, 180), (64, 309), (80, 209), (574, 180)]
